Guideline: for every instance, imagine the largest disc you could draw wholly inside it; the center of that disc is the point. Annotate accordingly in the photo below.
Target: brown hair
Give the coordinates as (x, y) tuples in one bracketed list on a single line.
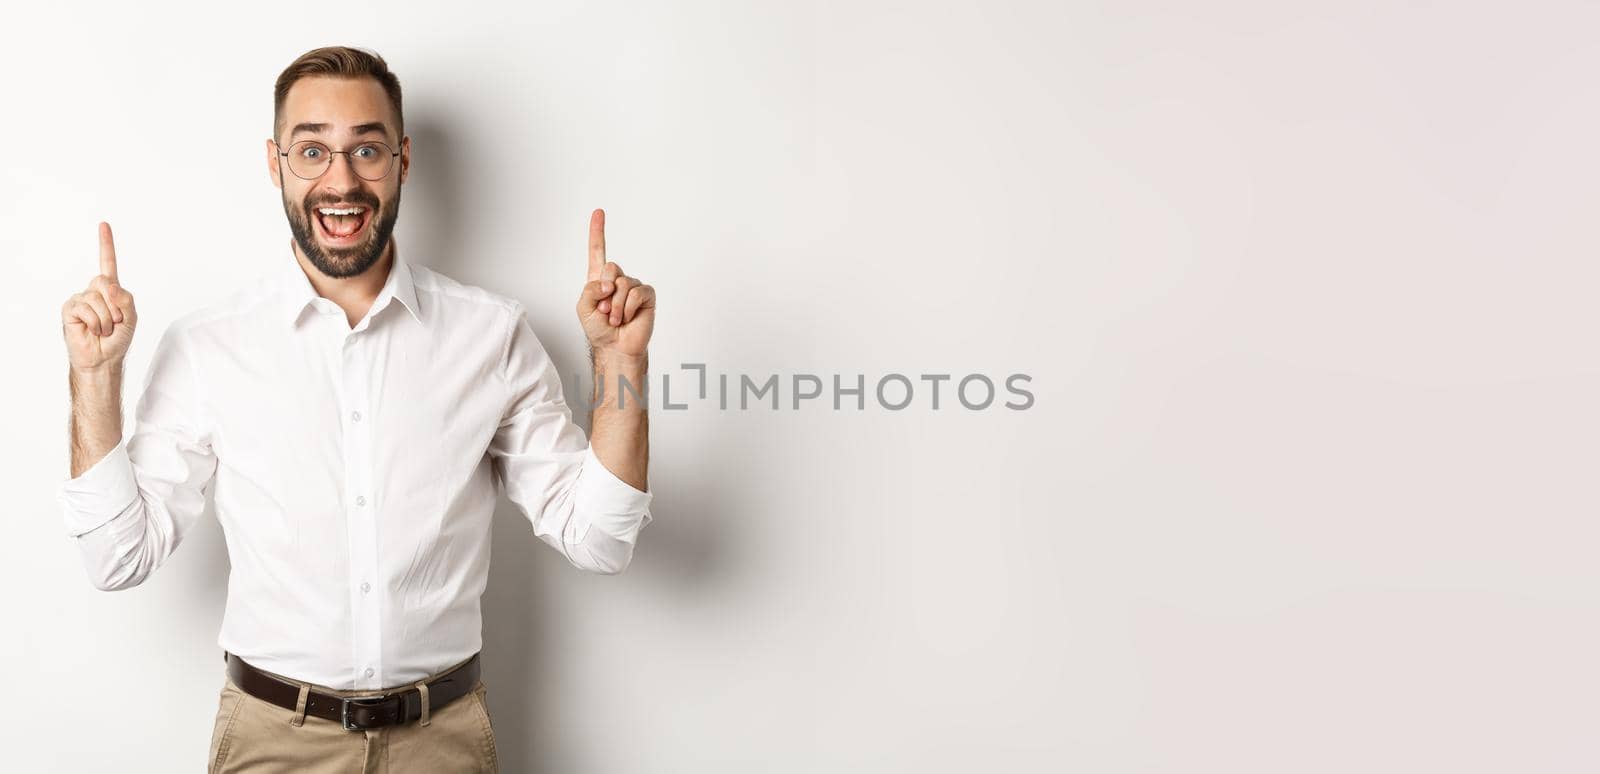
[(338, 62)]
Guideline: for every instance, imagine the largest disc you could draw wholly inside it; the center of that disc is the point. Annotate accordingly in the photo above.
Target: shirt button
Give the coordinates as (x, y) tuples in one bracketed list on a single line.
[(355, 416), (368, 673), (361, 500), (365, 587)]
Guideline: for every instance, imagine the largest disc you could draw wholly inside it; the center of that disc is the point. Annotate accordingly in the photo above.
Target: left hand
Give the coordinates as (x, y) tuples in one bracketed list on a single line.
[(618, 312)]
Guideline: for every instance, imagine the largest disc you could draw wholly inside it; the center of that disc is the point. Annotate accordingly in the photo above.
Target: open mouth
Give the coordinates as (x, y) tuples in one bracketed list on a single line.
[(343, 225)]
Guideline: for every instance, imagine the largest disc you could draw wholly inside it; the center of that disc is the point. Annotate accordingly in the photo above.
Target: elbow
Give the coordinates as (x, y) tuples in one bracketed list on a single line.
[(114, 572), (117, 583), (123, 571), (602, 554), (113, 559), (600, 564)]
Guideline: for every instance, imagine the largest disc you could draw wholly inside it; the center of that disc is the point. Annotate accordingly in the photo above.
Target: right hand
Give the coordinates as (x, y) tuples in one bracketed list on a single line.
[(98, 323)]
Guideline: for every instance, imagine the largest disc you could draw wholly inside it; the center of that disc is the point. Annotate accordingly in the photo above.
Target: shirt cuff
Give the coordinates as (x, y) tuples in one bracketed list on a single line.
[(100, 493), (613, 506)]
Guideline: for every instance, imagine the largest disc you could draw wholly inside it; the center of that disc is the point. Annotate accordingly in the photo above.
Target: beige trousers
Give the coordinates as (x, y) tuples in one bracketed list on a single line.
[(256, 736)]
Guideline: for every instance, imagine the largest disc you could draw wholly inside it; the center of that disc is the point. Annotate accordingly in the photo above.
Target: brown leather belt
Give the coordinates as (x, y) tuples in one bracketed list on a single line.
[(356, 713)]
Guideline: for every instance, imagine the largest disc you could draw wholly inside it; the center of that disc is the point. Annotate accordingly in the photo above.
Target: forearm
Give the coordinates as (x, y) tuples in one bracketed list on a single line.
[(95, 426), (620, 434)]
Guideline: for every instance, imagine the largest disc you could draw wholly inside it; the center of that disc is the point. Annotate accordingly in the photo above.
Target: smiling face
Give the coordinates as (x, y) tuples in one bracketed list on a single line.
[(341, 222)]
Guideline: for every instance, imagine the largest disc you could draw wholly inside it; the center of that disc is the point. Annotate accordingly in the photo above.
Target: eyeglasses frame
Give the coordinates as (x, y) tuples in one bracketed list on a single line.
[(393, 154)]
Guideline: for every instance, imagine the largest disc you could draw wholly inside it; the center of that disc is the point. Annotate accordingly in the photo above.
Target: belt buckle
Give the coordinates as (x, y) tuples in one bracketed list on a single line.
[(344, 709)]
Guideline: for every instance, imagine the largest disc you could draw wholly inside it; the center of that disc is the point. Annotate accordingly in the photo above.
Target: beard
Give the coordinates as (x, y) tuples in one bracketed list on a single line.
[(344, 261)]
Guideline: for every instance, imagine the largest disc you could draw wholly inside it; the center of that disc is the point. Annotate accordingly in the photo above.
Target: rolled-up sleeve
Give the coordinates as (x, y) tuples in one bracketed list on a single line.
[(548, 469), (130, 510)]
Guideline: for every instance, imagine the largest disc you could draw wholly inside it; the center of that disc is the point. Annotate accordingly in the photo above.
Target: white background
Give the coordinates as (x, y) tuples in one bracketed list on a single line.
[(1306, 291)]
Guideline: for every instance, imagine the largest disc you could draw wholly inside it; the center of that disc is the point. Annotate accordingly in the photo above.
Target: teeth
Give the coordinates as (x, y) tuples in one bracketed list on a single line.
[(345, 211)]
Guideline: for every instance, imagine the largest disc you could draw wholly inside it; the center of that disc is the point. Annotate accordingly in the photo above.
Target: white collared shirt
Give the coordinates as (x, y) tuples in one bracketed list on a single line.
[(354, 471)]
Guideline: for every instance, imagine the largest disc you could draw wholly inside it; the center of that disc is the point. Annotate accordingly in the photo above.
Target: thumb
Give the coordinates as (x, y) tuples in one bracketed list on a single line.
[(124, 299), (593, 292)]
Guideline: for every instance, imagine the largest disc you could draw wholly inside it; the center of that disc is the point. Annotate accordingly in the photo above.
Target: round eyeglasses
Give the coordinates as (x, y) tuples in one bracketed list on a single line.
[(309, 159)]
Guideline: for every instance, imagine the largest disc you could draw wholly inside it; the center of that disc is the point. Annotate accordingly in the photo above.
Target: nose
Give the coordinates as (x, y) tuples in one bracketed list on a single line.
[(340, 177)]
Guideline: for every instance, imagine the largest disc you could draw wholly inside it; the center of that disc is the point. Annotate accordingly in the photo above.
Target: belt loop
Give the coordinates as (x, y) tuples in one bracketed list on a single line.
[(422, 687), (299, 717)]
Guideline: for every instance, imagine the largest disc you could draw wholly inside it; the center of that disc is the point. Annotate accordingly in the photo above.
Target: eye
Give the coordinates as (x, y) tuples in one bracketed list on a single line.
[(365, 152), (312, 152)]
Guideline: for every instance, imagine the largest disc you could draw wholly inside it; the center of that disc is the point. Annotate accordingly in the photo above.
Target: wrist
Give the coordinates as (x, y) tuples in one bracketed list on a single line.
[(108, 373), (606, 359), (619, 380)]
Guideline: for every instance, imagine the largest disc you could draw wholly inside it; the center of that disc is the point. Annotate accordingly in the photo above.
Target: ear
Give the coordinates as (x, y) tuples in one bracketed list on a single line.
[(405, 156), (274, 170)]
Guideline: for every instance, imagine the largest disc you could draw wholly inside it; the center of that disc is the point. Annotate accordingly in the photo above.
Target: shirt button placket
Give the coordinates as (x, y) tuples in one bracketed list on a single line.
[(361, 511)]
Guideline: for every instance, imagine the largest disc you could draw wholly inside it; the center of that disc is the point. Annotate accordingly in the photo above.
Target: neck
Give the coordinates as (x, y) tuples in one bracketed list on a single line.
[(362, 287), (353, 294)]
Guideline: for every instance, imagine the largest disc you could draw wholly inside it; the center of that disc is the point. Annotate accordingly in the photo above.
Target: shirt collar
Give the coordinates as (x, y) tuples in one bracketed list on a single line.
[(398, 286)]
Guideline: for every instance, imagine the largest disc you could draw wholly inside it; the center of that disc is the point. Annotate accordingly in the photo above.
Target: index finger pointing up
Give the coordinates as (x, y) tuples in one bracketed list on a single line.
[(597, 243), (108, 252)]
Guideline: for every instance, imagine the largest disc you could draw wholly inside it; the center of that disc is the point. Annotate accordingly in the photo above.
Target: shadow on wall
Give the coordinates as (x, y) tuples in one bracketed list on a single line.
[(676, 553), (430, 202)]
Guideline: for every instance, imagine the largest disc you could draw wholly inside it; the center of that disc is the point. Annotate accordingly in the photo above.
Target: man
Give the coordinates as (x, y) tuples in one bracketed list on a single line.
[(352, 412)]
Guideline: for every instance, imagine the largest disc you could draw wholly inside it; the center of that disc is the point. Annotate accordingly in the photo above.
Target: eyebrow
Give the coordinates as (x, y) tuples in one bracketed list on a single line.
[(370, 127)]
